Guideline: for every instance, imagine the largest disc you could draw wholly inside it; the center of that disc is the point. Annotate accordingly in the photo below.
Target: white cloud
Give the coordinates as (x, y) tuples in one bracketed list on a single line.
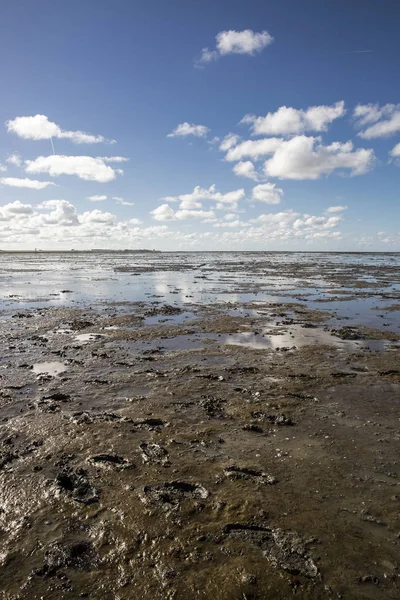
[(33, 184), (14, 159), (236, 42), (3, 168), (84, 167), (184, 129), (135, 221), (123, 202), (367, 113), (395, 152), (194, 214), (245, 169), (190, 204), (166, 213), (40, 128), (97, 198), (163, 213), (382, 121), (62, 213), (207, 56), (267, 193), (288, 121), (98, 216), (335, 209), (306, 158), (242, 42), (254, 149), (9, 211), (116, 159), (230, 140), (201, 194)]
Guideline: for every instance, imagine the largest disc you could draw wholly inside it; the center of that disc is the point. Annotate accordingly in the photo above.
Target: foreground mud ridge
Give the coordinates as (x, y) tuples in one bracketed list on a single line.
[(227, 452)]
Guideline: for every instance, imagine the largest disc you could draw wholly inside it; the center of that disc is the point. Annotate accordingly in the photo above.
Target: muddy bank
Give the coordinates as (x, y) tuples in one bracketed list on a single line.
[(241, 451)]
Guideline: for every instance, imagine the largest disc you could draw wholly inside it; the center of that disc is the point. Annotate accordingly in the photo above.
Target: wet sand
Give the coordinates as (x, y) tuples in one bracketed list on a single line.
[(177, 448)]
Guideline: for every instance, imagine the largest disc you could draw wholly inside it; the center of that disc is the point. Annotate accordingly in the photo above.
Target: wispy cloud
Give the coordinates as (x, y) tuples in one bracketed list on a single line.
[(356, 52), (33, 184)]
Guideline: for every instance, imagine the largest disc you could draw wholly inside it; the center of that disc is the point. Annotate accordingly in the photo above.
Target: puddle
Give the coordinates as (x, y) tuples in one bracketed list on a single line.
[(49, 368), (296, 337), (85, 338)]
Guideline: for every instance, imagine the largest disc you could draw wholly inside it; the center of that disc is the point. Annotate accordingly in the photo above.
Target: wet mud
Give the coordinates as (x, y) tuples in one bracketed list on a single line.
[(247, 450)]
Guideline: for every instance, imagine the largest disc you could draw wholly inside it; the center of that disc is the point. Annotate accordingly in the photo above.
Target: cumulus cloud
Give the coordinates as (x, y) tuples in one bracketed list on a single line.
[(163, 213), (305, 157), (395, 152), (39, 127), (14, 159), (84, 167), (382, 121), (166, 213), (230, 140), (245, 169), (185, 129), (194, 214), (3, 168), (200, 194), (98, 216), (236, 42), (253, 149), (57, 224), (17, 208), (267, 193), (97, 198), (33, 184), (336, 209), (62, 213), (289, 121)]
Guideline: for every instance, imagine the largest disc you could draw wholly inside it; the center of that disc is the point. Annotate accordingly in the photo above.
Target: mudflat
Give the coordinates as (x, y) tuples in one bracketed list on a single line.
[(179, 427)]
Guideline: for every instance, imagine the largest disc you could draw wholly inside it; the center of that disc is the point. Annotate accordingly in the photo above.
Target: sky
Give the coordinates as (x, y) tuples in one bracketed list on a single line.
[(200, 125)]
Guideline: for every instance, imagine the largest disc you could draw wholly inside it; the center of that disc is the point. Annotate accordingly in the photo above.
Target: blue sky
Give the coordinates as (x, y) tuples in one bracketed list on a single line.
[(325, 175)]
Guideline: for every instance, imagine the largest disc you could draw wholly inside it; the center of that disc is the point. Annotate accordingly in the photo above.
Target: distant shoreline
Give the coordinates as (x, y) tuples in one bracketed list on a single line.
[(124, 251)]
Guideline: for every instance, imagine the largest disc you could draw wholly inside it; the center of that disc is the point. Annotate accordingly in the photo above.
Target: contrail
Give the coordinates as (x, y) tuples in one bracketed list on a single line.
[(52, 145), (357, 52)]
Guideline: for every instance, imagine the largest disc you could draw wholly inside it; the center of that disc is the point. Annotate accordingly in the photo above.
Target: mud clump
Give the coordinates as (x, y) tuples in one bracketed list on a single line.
[(166, 310), (79, 555), (239, 473), (154, 453), (348, 333), (285, 550), (6, 457), (281, 420), (77, 486), (170, 494), (253, 428), (211, 405), (111, 461), (79, 324)]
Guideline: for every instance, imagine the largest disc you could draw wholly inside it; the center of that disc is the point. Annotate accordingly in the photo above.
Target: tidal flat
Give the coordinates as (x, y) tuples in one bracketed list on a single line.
[(201, 425)]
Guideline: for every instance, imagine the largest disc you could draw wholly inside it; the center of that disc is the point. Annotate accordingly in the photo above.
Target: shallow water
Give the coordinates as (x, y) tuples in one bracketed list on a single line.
[(53, 368), (327, 281)]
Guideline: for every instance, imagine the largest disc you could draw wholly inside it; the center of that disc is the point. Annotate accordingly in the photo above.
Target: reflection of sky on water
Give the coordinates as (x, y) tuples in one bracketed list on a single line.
[(80, 279)]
